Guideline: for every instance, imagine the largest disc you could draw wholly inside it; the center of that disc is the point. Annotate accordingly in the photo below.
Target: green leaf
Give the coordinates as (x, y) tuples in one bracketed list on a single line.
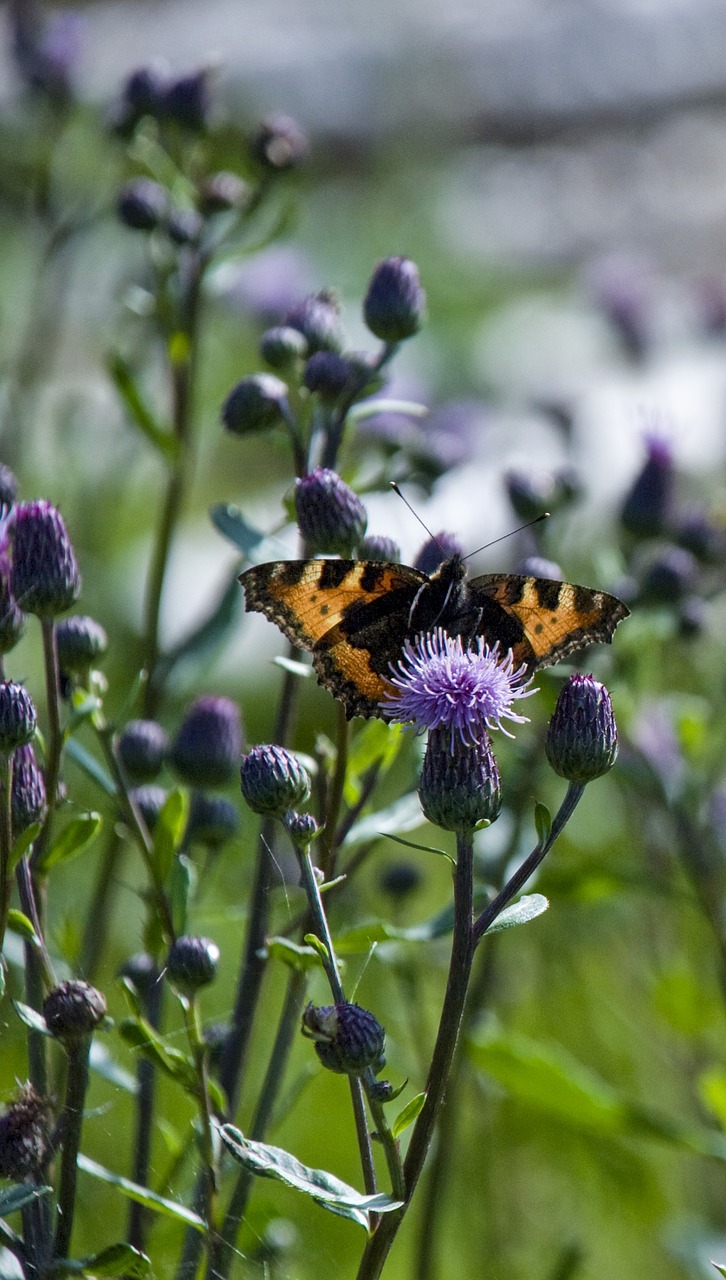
[(407, 1114), (371, 408), (229, 521), (549, 1078), (721, 1269), (521, 912), (12, 1241), (73, 839), (117, 1260), (23, 843), (542, 823), (292, 954), (317, 945), (183, 882), (31, 1018), (20, 924), (104, 1065), (403, 815), (90, 766), (322, 1187), (169, 832), (376, 744), (137, 409), (142, 1195), (140, 1035), (422, 848), (15, 1198)]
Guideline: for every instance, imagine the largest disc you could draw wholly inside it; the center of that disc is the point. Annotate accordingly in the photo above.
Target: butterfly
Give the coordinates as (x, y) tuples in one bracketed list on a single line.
[(355, 616)]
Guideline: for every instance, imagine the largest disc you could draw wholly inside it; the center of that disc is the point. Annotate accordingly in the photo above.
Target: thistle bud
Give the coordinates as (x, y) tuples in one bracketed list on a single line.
[(206, 750), (142, 971), (459, 787), (582, 737), (283, 347), (24, 1137), (149, 800), (395, 303), (188, 100), (378, 547), (348, 1039), (330, 516), (192, 963), (142, 204), (436, 550), (74, 1009), (317, 319), (257, 403), (213, 820), (12, 618), (184, 226), (28, 796), (18, 717), (81, 642), (301, 828), (646, 511), (45, 579), (670, 576), (327, 375), (142, 95), (279, 144), (530, 495), (222, 193), (400, 880), (273, 780), (142, 748)]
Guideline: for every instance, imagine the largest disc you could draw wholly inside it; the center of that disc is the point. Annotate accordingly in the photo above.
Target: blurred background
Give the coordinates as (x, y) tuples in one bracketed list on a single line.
[(557, 170)]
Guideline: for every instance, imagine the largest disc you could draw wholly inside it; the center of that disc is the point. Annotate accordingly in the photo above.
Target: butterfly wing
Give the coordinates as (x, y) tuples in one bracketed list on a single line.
[(353, 615), (542, 620)]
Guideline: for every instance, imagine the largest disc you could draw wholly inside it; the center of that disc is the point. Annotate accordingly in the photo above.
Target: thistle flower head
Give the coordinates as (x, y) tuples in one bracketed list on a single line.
[(439, 683), (45, 577)]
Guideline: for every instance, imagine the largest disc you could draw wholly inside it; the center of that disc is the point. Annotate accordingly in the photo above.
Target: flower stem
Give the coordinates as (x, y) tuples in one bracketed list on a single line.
[(462, 953), (152, 1001), (572, 798), (72, 1123), (6, 839), (55, 734)]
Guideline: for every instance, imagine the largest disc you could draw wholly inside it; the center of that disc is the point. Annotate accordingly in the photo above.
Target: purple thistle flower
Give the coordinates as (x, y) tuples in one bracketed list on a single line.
[(440, 683), (45, 577)]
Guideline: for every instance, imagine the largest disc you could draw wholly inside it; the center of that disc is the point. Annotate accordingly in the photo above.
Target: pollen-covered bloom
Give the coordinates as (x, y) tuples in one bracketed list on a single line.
[(439, 683)]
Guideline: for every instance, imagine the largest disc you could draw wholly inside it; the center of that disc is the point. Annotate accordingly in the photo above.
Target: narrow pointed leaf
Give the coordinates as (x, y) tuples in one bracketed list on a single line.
[(90, 766), (12, 1199), (300, 669), (142, 1195), (139, 1033), (21, 925), (407, 1114), (23, 843), (293, 954), (120, 1259), (137, 409), (521, 912), (169, 832), (721, 1270), (230, 522), (322, 1187), (31, 1018), (10, 1239), (73, 839)]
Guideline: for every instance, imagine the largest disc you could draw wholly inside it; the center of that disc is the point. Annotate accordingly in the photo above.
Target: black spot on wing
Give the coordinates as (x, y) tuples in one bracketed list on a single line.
[(333, 573), (373, 575), (547, 592)]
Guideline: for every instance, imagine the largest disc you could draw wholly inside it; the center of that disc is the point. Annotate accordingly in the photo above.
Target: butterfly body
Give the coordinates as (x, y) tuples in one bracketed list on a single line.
[(355, 616)]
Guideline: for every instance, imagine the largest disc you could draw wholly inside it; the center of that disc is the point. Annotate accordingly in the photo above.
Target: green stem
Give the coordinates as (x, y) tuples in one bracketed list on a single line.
[(335, 795), (152, 1001), (462, 953), (6, 839), (96, 930), (72, 1123), (55, 735)]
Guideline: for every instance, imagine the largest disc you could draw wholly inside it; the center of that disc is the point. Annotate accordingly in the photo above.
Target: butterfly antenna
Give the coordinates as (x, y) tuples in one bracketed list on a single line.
[(416, 516), (537, 520)]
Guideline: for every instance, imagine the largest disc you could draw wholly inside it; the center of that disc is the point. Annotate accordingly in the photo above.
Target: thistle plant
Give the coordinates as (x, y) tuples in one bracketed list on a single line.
[(210, 850)]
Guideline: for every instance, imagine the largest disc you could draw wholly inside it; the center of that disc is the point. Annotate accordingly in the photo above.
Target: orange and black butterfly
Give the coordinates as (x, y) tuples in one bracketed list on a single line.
[(355, 616)]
